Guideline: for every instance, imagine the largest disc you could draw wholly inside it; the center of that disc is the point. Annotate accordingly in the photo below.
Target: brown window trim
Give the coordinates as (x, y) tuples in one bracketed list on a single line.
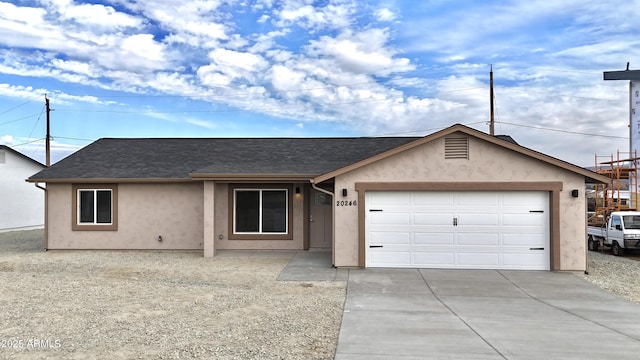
[(74, 207), (287, 236)]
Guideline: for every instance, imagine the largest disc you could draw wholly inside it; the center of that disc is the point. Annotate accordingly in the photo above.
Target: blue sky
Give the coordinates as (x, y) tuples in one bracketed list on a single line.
[(292, 68)]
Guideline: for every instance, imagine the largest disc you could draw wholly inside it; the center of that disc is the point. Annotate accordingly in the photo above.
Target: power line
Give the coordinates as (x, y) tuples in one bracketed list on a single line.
[(558, 94), (36, 123), (29, 142), (562, 131), (70, 138), (16, 120), (17, 106)]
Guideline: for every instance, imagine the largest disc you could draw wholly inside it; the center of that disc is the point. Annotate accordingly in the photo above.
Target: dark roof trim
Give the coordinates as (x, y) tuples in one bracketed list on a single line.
[(108, 180), (270, 177)]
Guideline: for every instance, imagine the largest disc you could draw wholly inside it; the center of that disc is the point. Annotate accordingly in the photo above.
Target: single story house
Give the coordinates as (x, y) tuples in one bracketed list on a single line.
[(458, 198), (21, 204)]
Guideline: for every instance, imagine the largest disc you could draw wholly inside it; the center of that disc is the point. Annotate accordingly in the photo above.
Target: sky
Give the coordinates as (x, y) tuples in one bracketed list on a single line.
[(303, 68)]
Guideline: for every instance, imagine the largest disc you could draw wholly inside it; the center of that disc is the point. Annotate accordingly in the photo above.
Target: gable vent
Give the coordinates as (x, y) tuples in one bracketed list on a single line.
[(456, 147)]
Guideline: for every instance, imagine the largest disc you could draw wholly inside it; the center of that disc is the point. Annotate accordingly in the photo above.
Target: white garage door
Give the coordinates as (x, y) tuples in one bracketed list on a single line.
[(463, 230)]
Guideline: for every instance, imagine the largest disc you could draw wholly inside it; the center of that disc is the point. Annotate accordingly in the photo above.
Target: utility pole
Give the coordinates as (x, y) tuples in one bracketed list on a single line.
[(633, 77), (491, 122), (48, 139)]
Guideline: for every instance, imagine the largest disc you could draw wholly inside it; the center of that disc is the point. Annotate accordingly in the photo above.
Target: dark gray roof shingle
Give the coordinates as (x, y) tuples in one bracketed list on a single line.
[(176, 158)]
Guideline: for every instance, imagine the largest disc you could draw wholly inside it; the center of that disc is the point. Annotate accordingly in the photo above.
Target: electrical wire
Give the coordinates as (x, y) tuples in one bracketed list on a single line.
[(35, 124), (16, 120), (562, 131), (19, 105), (29, 142)]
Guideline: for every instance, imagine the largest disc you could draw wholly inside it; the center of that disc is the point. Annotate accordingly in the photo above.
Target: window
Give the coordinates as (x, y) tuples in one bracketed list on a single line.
[(95, 207), (616, 221), (260, 213)]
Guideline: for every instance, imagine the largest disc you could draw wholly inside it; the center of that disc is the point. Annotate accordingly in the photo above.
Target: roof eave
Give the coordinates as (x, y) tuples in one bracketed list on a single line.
[(252, 177), (108, 180)]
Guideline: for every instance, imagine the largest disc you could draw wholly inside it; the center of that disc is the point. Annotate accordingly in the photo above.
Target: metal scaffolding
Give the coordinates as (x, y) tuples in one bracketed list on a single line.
[(622, 193)]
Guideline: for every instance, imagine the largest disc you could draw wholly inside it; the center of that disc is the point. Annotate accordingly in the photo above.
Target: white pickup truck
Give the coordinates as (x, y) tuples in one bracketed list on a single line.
[(620, 232)]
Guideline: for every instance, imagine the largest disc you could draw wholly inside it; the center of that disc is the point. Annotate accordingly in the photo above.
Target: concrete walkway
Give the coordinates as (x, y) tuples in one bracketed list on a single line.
[(312, 265)]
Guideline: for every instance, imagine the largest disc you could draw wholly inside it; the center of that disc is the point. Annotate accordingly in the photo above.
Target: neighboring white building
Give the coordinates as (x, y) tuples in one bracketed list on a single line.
[(21, 203)]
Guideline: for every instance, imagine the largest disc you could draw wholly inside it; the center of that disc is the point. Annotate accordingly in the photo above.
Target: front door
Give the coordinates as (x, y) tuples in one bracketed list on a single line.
[(320, 218)]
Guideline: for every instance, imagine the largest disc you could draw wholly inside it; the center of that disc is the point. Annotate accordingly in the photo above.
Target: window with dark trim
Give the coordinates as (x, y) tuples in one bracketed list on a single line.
[(260, 212), (95, 207)]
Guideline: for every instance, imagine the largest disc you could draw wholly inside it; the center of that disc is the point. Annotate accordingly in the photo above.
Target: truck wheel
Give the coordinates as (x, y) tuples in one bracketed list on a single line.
[(616, 250), (593, 245)]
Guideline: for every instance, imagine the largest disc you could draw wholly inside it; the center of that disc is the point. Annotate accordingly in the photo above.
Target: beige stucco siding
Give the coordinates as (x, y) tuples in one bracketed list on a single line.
[(487, 163), (145, 211)]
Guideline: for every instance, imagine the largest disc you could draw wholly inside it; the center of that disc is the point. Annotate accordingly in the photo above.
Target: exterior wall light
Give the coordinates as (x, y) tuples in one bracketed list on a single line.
[(344, 192)]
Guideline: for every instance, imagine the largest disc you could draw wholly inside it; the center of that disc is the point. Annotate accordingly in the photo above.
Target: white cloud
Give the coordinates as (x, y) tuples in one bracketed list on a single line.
[(105, 17), (6, 139), (336, 14), (385, 14), (361, 52)]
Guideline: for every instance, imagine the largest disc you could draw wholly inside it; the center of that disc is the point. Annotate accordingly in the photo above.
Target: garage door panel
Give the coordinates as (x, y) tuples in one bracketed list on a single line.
[(521, 198), (494, 230), (439, 199), (433, 238), (434, 259), (524, 239), (391, 258), (389, 218), (477, 199), (478, 259), (390, 238), (524, 219), (478, 219), (391, 198), (488, 239), (433, 219), (530, 261)]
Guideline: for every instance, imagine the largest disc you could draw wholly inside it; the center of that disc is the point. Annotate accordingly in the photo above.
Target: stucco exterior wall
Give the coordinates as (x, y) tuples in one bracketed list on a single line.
[(22, 203), (487, 163), (223, 209), (145, 211)]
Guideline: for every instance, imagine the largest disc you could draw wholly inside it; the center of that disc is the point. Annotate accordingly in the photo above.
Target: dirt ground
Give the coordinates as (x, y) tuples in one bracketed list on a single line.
[(158, 305)]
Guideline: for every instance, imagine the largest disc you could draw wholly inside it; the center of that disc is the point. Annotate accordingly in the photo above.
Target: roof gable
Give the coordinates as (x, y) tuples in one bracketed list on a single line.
[(499, 141), (21, 155)]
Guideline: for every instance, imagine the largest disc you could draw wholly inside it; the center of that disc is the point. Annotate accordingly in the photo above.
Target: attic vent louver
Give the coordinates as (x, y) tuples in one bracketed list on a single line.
[(456, 147)]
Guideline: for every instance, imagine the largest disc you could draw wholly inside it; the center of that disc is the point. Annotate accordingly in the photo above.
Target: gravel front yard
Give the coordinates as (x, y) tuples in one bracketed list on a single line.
[(177, 305), (617, 274), (165, 305)]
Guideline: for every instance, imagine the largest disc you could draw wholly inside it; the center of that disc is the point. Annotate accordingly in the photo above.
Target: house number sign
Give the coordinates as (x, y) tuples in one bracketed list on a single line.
[(346, 203)]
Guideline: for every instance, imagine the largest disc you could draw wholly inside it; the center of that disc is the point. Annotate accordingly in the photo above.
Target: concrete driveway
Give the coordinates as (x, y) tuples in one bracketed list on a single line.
[(469, 314)]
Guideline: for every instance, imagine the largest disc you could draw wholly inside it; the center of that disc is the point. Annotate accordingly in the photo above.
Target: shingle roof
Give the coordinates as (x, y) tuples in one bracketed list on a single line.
[(176, 158)]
